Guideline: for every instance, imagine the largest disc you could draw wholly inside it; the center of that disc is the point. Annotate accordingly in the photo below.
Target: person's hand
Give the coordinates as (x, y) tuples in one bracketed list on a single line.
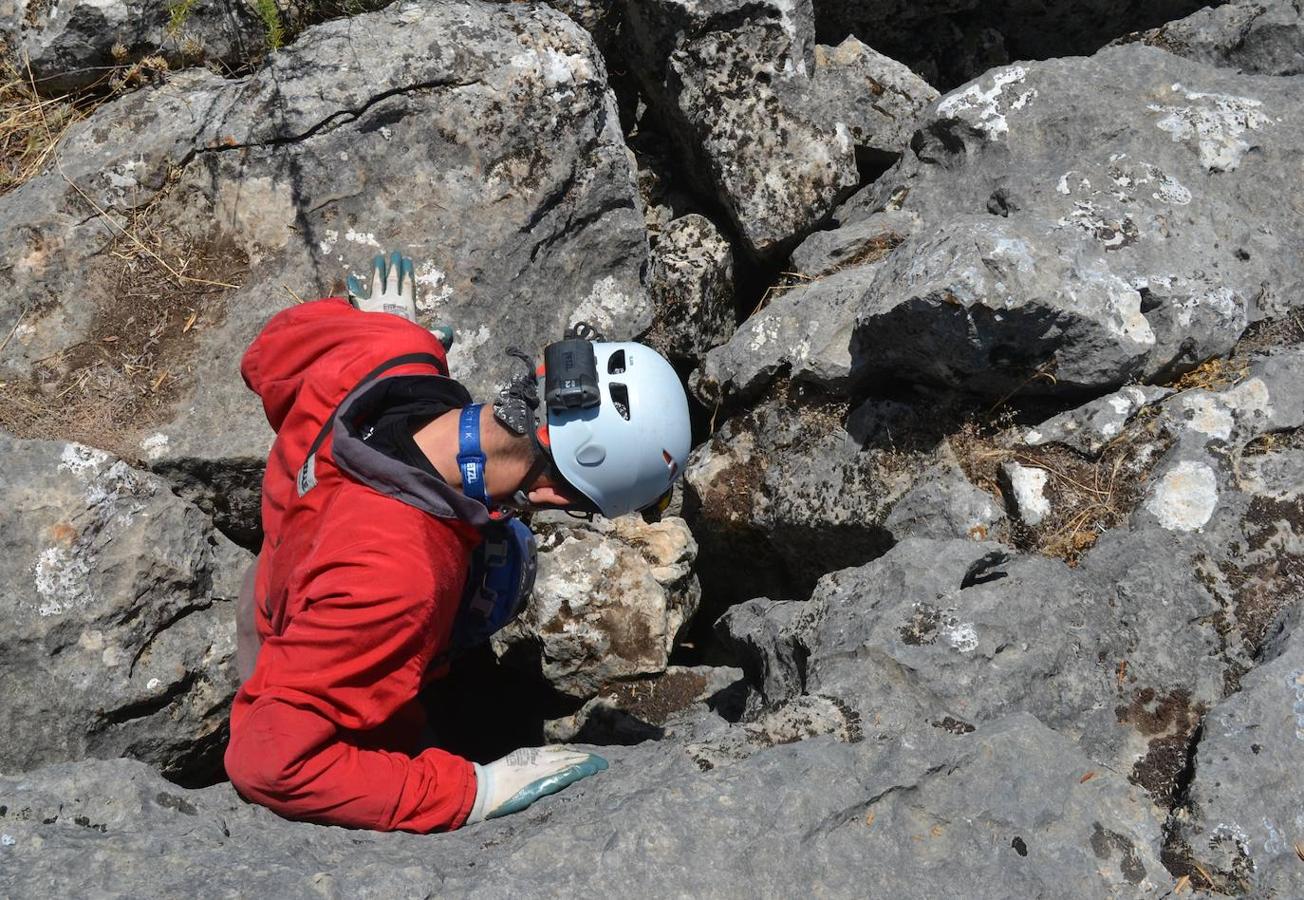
[(523, 776), (393, 287), (394, 290)]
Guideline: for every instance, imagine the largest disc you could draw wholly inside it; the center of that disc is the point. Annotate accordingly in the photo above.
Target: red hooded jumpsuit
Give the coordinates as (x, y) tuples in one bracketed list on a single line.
[(357, 585)]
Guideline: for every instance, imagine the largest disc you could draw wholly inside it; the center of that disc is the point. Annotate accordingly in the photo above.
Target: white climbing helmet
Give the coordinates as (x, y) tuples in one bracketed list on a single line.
[(625, 451)]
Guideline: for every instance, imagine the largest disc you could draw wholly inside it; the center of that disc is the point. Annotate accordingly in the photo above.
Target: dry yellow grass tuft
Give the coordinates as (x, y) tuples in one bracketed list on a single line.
[(1212, 375), (1088, 496), (31, 125)]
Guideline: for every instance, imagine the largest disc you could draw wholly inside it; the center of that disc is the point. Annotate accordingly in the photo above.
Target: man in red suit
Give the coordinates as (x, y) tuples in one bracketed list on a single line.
[(383, 480)]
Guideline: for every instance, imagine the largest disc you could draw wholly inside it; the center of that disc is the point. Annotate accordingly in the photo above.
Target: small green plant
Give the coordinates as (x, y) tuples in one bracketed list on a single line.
[(274, 31), (178, 13)]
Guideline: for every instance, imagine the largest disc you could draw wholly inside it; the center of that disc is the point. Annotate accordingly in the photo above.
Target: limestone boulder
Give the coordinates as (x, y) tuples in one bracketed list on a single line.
[(1077, 224), (608, 604), (768, 125), (118, 598)]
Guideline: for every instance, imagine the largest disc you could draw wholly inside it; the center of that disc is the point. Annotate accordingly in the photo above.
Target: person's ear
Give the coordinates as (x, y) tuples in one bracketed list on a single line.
[(545, 494)]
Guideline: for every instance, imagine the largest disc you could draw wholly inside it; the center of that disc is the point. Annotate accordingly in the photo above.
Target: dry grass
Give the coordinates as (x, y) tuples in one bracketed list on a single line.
[(107, 390), (31, 125), (1212, 375), (1087, 496)]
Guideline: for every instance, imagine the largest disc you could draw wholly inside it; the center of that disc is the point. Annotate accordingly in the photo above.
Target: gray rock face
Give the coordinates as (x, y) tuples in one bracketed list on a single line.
[(75, 45), (1261, 36), (119, 636), (1243, 819), (1049, 258), (944, 504), (784, 494), (804, 333), (769, 125), (1088, 428), (862, 806), (481, 138), (691, 284), (608, 603)]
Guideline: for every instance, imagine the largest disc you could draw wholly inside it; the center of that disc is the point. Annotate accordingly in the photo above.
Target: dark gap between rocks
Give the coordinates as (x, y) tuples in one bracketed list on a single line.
[(486, 708), (950, 48)]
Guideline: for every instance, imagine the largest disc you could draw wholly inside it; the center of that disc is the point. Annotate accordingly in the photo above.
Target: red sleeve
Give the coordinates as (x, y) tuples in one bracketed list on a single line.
[(346, 670)]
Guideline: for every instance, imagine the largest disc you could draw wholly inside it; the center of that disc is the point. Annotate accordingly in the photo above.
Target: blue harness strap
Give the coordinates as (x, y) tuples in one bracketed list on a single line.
[(470, 458)]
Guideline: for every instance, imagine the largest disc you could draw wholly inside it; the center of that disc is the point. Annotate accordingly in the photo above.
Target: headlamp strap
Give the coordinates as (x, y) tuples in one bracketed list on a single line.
[(470, 458)]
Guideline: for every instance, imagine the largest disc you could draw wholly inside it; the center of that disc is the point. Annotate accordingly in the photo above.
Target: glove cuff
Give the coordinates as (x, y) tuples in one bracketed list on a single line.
[(482, 780)]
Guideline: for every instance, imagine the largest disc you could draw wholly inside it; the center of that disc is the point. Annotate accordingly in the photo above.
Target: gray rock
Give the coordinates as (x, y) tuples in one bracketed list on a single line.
[(609, 601), (972, 304), (120, 634), (765, 123), (804, 333), (773, 638), (1043, 265), (480, 138), (75, 45), (862, 242), (676, 703), (1001, 812), (1088, 428), (877, 98), (692, 288), (1243, 819), (784, 494), (944, 504), (1260, 36)]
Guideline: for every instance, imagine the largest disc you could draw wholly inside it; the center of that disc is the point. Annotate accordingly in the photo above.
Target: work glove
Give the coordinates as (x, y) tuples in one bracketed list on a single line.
[(393, 290), (523, 776), (393, 287)]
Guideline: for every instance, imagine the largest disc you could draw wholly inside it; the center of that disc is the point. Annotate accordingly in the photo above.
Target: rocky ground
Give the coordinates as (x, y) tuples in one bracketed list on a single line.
[(986, 577)]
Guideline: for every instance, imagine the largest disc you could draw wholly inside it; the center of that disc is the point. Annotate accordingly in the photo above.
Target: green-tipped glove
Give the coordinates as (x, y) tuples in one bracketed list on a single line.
[(523, 776), (393, 287), (393, 290)]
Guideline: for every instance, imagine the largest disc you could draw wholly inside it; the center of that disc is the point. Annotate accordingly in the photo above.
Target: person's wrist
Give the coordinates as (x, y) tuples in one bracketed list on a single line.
[(481, 795)]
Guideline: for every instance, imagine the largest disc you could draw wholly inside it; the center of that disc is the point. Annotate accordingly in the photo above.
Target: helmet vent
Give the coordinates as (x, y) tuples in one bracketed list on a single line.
[(670, 463), (616, 364), (620, 399)]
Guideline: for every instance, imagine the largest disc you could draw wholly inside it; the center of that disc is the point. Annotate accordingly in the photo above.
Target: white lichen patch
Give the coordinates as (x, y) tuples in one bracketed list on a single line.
[(961, 635), (1172, 191), (981, 106), (81, 460), (61, 581), (327, 244), (1185, 497), (366, 239), (552, 67), (155, 446), (434, 290), (460, 361), (1206, 414), (606, 307), (1216, 123)]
